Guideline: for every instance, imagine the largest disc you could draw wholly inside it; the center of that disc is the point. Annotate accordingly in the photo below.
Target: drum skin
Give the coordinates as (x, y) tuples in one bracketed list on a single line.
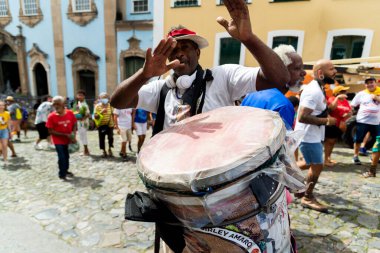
[(211, 148)]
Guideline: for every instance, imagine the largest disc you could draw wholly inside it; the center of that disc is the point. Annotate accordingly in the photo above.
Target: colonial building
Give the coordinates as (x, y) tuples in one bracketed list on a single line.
[(316, 28), (60, 46)]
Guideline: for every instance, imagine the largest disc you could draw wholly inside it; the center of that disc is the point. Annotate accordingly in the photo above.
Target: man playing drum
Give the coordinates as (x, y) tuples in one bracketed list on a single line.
[(191, 90)]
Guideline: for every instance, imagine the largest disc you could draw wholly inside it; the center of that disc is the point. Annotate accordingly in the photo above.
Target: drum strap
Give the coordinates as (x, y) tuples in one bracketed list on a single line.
[(193, 96), (263, 187)]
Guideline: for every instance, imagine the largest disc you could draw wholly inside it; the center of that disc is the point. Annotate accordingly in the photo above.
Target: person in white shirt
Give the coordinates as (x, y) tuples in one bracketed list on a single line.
[(123, 124), (367, 118), (312, 118)]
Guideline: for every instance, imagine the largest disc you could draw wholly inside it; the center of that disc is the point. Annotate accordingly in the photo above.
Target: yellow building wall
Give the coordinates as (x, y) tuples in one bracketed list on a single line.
[(314, 17)]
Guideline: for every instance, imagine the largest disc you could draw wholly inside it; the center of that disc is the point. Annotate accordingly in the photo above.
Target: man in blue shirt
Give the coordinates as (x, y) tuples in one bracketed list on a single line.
[(273, 99), (140, 119)]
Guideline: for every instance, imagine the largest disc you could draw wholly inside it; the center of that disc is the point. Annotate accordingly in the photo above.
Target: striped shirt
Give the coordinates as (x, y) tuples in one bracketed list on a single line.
[(107, 117)]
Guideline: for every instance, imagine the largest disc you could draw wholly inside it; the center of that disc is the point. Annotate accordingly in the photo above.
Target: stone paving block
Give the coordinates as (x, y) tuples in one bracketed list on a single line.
[(369, 221), (47, 214), (110, 239), (375, 244)]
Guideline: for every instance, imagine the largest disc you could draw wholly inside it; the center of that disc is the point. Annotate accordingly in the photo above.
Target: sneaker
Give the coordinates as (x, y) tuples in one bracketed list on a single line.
[(37, 146), (363, 152), (18, 140), (368, 174), (51, 146), (356, 160), (63, 178), (313, 204), (69, 174)]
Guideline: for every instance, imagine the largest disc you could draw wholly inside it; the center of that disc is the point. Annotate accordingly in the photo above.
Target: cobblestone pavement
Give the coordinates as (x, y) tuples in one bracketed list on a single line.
[(352, 224), (87, 212)]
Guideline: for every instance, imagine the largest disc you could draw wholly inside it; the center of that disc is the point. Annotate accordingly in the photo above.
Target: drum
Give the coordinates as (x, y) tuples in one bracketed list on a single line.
[(208, 170)]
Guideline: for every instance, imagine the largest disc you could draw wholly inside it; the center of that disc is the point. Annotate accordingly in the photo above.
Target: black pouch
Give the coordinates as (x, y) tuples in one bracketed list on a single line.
[(141, 207), (323, 114)]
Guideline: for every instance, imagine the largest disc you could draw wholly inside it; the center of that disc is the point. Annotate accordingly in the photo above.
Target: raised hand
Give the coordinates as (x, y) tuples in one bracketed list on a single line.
[(155, 64), (239, 27)]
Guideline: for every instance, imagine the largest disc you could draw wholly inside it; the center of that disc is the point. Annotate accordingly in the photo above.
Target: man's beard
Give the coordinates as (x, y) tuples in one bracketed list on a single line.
[(296, 87), (328, 80)]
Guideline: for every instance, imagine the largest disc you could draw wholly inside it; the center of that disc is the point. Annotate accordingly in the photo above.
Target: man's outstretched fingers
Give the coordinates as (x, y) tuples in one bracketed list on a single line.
[(234, 4), (228, 4), (159, 47), (173, 64), (223, 22), (169, 48)]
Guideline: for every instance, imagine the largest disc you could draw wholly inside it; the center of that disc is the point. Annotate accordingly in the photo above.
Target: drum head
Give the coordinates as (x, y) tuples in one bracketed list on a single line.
[(211, 148)]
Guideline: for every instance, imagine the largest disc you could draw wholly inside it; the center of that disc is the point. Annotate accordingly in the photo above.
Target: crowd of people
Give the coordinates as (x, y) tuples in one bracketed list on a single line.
[(59, 126)]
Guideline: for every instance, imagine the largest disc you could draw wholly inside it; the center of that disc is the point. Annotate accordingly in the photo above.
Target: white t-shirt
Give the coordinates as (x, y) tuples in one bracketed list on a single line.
[(230, 83), (369, 109), (43, 112), (312, 97), (124, 118)]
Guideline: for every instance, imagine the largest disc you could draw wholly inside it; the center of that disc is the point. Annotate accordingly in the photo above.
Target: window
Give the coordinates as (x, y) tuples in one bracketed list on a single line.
[(348, 43), (132, 64), (286, 40), (3, 8), (228, 50), (294, 38), (30, 12), (185, 3), (81, 5), (221, 2), (344, 47), (140, 6), (30, 7)]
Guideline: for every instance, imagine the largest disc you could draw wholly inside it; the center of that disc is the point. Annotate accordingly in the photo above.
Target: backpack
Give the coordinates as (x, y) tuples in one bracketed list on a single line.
[(25, 114), (18, 114)]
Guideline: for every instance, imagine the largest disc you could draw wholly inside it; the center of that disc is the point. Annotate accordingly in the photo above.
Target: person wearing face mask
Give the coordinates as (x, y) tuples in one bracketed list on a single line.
[(367, 118), (273, 99), (104, 112), (312, 119)]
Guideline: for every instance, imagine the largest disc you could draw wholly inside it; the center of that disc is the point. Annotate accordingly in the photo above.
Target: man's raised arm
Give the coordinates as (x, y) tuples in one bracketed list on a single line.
[(126, 94), (274, 73)]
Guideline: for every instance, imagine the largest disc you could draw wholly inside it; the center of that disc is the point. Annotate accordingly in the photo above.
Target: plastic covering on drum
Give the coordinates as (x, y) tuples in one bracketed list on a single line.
[(210, 149), (202, 167)]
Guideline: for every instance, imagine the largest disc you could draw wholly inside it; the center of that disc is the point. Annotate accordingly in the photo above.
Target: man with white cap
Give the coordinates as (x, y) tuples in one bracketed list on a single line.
[(190, 89)]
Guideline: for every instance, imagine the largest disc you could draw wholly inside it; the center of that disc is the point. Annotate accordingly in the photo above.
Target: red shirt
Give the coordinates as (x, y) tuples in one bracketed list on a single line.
[(62, 124), (342, 108)]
